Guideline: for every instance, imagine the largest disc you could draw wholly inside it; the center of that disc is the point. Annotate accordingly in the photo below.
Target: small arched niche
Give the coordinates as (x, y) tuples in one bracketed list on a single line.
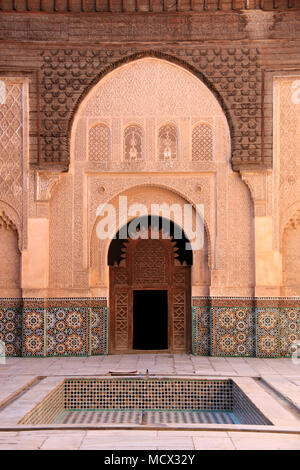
[(10, 257)]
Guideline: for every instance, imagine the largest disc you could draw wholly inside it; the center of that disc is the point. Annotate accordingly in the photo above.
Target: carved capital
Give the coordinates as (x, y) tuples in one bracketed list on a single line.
[(45, 182), (257, 184)]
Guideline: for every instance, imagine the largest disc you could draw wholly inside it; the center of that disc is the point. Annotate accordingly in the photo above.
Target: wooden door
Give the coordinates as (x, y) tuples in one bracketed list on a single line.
[(149, 264)]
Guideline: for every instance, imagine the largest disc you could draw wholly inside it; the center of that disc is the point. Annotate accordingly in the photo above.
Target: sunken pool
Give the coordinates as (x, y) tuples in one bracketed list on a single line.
[(142, 401)]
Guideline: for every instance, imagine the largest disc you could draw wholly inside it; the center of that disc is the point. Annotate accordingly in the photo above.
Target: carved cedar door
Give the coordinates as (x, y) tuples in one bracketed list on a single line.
[(149, 264)]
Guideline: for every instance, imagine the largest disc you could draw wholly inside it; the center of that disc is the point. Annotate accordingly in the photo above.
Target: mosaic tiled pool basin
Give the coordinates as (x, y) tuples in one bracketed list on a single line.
[(146, 401)]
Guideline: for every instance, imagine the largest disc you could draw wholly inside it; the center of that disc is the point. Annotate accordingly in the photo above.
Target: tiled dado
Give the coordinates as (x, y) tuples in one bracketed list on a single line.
[(251, 327), (265, 327), (233, 331), (11, 326), (201, 330), (54, 327)]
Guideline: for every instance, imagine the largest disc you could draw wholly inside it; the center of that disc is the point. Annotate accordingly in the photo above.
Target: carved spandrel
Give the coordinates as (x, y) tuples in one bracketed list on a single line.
[(45, 182), (234, 72)]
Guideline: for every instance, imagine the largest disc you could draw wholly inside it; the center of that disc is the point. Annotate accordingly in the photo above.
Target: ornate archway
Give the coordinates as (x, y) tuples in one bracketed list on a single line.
[(10, 256), (150, 265)]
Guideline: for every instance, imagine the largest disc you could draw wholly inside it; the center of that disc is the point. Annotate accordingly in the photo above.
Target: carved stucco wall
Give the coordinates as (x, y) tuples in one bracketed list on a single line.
[(13, 182), (13, 149), (61, 235), (287, 166), (240, 255), (233, 73), (9, 256), (148, 194), (150, 93), (291, 257)]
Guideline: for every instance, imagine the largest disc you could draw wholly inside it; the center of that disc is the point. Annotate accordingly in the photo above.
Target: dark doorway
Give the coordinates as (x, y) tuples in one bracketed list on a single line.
[(150, 319)]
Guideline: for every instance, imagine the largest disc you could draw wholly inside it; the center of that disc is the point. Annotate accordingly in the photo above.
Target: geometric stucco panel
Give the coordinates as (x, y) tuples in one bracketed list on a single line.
[(233, 73)]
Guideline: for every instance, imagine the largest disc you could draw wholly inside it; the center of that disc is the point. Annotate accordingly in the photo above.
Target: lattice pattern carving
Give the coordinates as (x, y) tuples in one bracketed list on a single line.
[(179, 320), (179, 277), (133, 144), (121, 277), (202, 143), (99, 143), (150, 263), (121, 321), (167, 143), (11, 135)]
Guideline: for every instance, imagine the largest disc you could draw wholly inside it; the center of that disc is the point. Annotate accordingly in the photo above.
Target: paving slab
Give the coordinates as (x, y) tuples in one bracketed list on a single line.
[(63, 442), (213, 443), (266, 443)]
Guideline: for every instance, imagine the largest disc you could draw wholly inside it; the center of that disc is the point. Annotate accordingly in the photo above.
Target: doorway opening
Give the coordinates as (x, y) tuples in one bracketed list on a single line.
[(150, 319), (150, 289)]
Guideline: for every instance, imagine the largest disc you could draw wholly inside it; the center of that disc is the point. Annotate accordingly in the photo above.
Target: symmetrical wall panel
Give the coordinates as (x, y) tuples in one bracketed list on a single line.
[(201, 330), (287, 190), (55, 327), (14, 155), (133, 143), (38, 329), (33, 330), (167, 143), (202, 143), (11, 326), (245, 327), (267, 332), (233, 73), (149, 264), (11, 144), (232, 331), (99, 143)]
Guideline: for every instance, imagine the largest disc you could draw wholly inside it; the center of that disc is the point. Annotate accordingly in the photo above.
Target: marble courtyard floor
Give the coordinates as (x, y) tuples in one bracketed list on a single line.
[(273, 385)]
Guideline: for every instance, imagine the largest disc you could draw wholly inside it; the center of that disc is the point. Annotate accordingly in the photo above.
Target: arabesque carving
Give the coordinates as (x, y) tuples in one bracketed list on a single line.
[(233, 73), (45, 182)]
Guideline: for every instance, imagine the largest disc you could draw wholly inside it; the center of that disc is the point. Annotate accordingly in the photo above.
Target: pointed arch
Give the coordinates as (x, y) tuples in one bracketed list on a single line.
[(133, 143), (168, 143), (10, 256), (143, 55)]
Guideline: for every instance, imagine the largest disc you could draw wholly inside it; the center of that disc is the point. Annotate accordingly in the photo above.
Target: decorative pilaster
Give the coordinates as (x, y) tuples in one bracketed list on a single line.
[(268, 260)]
